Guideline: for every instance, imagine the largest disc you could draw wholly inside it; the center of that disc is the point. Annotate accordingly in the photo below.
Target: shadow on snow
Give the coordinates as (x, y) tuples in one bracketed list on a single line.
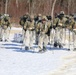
[(54, 48), (17, 47)]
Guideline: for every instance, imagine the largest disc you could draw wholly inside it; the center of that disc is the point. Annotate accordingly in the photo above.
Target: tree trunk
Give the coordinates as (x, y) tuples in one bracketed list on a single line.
[(52, 11), (29, 6), (6, 7), (17, 3), (69, 2)]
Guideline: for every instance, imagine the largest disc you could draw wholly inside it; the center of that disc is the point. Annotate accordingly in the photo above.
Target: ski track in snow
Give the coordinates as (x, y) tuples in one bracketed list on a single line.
[(17, 61)]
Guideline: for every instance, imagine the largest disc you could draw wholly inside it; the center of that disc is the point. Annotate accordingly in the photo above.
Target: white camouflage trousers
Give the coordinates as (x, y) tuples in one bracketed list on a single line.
[(52, 35), (43, 40), (28, 38), (6, 33), (58, 36)]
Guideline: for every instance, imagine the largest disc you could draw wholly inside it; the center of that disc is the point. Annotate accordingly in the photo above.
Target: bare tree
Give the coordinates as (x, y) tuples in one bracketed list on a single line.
[(17, 3), (30, 2), (6, 6), (69, 3), (53, 6)]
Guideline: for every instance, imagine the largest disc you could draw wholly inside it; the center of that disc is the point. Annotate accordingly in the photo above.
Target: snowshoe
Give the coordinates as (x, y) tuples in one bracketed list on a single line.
[(40, 51)]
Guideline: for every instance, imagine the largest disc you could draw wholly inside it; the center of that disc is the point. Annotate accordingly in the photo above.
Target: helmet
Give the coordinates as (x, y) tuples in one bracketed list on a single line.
[(6, 14), (44, 18), (62, 13), (39, 15)]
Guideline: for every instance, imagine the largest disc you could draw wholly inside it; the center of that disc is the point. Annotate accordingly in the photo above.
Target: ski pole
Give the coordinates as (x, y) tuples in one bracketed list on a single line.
[(69, 40)]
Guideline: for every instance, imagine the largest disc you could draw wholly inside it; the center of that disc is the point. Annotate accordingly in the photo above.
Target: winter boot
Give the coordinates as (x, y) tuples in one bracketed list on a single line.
[(60, 46), (55, 44), (1, 40), (44, 49)]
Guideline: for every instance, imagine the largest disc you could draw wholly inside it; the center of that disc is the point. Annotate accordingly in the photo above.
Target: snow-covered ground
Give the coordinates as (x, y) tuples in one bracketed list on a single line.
[(14, 60)]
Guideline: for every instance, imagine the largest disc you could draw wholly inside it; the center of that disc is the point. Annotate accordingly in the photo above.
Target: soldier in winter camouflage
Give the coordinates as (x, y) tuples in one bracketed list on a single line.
[(50, 30), (43, 36), (38, 23), (29, 27), (6, 27), (22, 21), (59, 23), (71, 26)]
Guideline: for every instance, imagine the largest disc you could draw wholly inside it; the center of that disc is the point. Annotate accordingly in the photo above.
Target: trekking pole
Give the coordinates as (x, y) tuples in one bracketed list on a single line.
[(69, 41), (73, 38), (23, 34), (9, 32), (65, 36)]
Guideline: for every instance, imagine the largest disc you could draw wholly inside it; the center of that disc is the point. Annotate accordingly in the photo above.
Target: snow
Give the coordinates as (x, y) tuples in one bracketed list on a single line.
[(14, 60)]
